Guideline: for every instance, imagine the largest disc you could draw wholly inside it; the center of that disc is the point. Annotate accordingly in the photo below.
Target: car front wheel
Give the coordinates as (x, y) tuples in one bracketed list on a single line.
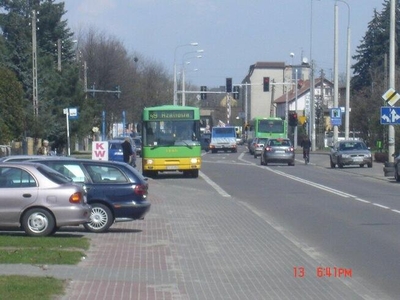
[(101, 218), (38, 222)]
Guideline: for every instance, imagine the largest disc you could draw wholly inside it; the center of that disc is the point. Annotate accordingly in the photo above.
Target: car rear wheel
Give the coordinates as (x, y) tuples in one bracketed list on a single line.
[(38, 222), (101, 218)]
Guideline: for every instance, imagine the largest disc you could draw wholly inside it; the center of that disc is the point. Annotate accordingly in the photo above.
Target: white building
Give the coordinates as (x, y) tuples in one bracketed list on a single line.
[(255, 101)]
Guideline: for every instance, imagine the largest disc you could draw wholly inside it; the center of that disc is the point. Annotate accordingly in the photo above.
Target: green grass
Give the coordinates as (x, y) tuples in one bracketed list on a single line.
[(24, 287), (37, 250), (43, 250)]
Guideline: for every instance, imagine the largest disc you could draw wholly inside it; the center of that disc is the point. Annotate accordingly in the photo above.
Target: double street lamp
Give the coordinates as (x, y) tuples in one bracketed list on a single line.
[(183, 72), (175, 81), (183, 77)]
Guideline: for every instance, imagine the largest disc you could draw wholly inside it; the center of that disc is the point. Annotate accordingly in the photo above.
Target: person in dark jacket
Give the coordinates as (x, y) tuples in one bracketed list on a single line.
[(127, 150)]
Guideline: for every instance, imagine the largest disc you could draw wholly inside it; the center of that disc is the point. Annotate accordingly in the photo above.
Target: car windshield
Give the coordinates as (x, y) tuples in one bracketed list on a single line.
[(349, 146), (279, 142), (53, 176), (262, 141)]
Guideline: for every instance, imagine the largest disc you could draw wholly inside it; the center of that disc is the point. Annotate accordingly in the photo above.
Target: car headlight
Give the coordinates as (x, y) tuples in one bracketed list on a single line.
[(368, 155)]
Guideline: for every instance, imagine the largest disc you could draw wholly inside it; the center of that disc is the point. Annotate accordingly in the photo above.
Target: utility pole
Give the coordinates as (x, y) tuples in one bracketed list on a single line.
[(392, 64), (34, 67)]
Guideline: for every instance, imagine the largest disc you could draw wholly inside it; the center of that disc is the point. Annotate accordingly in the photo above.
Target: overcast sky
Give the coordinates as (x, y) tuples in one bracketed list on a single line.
[(234, 34)]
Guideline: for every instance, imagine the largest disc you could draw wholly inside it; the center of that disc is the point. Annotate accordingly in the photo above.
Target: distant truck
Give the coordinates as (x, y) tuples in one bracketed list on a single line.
[(223, 139)]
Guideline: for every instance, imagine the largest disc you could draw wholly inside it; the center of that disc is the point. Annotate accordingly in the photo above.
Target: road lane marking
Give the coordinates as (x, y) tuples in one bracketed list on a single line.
[(380, 205), (301, 180), (362, 200), (330, 190), (214, 185)]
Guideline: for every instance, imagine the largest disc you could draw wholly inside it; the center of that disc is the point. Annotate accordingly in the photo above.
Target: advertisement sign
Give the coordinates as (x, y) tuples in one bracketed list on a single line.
[(100, 150)]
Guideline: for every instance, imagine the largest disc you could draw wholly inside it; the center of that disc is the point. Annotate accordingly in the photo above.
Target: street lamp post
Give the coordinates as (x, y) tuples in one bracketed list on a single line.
[(175, 83), (347, 108), (336, 74), (183, 73)]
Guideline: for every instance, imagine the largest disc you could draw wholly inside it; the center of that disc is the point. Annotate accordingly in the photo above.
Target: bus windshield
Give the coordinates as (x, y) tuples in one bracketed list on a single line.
[(171, 133), (271, 126)]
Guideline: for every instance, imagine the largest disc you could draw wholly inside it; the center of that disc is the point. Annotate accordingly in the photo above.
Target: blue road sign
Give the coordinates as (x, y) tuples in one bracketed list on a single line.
[(336, 116), (73, 113), (390, 115)]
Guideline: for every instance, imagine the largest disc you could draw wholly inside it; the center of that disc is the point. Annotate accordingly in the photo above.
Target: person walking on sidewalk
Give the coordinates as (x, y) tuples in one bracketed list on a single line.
[(44, 149), (127, 150)]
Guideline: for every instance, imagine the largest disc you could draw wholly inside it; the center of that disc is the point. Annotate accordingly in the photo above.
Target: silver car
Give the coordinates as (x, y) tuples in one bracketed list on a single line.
[(39, 199), (350, 152), (258, 144), (278, 150)]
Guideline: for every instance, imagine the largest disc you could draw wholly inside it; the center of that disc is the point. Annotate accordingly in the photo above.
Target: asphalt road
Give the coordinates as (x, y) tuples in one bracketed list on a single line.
[(246, 231), (348, 219)]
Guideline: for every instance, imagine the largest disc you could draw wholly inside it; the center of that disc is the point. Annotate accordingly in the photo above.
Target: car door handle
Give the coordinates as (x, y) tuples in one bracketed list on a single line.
[(26, 195)]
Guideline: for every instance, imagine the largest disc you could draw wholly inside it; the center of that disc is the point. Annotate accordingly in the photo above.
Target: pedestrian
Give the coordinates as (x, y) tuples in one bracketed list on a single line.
[(44, 149), (127, 150)]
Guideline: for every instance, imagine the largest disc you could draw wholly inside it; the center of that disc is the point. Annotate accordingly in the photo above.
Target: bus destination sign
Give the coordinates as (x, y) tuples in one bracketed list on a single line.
[(171, 115)]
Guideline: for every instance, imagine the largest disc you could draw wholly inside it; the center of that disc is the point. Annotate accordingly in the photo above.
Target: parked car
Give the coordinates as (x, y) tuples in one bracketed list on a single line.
[(17, 158), (350, 152), (138, 144), (115, 149), (279, 150), (257, 146), (250, 145), (135, 141), (39, 200), (116, 191)]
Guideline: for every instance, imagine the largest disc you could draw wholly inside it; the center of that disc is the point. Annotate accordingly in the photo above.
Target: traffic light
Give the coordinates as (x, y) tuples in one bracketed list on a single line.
[(203, 94), (117, 93), (266, 84), (229, 85), (293, 118), (236, 91)]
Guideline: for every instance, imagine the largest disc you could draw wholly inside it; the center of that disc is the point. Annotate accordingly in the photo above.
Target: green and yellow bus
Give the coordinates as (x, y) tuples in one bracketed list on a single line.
[(171, 140), (267, 127)]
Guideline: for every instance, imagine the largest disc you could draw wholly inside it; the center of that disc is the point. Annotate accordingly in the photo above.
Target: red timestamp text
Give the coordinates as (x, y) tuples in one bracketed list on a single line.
[(324, 272)]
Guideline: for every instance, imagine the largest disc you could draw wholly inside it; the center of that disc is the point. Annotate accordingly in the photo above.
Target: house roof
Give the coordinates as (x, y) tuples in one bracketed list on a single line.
[(303, 88), (264, 65)]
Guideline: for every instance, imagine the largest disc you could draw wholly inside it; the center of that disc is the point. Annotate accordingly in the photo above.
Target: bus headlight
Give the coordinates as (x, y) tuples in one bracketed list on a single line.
[(149, 161), (194, 161)]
